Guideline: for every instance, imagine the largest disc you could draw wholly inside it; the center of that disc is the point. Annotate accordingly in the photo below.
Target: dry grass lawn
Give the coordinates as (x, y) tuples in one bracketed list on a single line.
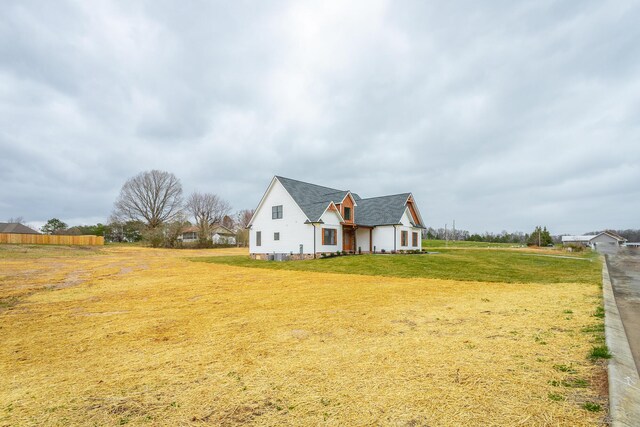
[(136, 336)]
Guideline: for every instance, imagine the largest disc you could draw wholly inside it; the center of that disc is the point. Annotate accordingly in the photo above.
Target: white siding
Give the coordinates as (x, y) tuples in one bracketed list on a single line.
[(362, 239), (219, 239), (331, 220), (383, 238), (293, 231), (604, 238), (406, 226)]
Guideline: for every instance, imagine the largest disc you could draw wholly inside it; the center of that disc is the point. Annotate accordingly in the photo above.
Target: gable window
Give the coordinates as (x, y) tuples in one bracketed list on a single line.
[(329, 236), (347, 213), (276, 236), (276, 212), (258, 238), (414, 238), (404, 238)]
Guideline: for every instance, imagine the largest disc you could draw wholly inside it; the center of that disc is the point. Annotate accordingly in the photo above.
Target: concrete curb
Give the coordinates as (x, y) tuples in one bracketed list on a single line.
[(624, 383)]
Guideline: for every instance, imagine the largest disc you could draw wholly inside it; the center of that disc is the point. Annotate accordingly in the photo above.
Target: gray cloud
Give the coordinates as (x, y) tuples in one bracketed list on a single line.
[(501, 117)]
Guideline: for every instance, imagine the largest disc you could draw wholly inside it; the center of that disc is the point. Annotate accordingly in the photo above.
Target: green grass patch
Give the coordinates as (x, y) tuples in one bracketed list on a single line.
[(570, 383), (564, 368), (556, 397), (466, 244), (599, 313), (591, 407), (599, 352), (510, 266), (597, 328)]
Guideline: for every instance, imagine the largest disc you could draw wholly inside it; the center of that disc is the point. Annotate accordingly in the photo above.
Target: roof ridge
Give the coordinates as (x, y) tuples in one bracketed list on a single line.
[(335, 190), (380, 197)]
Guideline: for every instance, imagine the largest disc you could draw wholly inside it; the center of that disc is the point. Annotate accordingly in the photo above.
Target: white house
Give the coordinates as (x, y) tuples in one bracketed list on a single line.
[(302, 220), (605, 237), (219, 235)]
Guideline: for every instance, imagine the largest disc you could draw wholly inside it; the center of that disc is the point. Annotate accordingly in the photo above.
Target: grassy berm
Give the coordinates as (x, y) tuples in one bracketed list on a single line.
[(134, 336)]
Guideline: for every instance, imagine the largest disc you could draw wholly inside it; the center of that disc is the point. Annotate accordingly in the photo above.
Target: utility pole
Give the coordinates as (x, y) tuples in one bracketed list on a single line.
[(454, 230), (446, 236), (539, 230)]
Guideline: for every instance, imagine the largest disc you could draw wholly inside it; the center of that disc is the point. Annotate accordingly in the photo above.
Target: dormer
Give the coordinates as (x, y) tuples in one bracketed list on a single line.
[(347, 208)]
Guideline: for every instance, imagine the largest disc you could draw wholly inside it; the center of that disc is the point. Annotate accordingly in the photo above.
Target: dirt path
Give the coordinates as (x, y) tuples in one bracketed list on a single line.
[(624, 269)]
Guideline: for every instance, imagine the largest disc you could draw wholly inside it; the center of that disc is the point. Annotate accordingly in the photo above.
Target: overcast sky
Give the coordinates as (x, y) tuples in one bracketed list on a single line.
[(500, 116)]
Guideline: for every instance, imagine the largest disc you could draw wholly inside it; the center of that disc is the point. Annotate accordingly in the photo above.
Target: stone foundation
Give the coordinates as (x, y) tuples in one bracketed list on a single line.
[(298, 257), (292, 257)]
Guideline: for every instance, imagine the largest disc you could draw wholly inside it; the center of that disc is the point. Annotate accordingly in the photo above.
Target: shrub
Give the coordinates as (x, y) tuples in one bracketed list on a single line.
[(154, 237)]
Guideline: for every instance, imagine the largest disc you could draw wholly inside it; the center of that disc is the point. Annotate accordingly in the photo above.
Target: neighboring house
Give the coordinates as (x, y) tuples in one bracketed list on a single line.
[(16, 228), (223, 235), (302, 220), (220, 235), (606, 237)]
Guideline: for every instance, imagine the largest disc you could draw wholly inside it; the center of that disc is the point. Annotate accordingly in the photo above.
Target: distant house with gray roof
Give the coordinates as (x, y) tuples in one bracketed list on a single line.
[(16, 228), (605, 237), (302, 220)]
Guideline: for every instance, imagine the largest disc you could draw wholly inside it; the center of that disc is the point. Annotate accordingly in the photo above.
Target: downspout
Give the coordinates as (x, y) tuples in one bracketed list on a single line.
[(313, 224), (395, 238)]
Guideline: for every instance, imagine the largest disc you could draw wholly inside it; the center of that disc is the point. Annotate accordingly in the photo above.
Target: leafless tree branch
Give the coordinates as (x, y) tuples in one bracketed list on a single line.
[(207, 209), (153, 197)]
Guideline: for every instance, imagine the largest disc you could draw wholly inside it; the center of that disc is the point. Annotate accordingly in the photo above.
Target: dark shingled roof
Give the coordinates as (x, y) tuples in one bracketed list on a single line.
[(382, 210), (17, 228), (314, 199)]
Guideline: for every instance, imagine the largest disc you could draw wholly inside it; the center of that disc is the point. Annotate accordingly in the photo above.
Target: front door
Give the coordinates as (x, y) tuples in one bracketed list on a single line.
[(347, 240)]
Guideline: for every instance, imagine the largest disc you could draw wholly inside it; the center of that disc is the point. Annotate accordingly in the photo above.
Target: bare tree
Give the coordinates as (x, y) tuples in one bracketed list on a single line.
[(242, 221), (16, 220), (152, 197), (207, 209), (243, 217)]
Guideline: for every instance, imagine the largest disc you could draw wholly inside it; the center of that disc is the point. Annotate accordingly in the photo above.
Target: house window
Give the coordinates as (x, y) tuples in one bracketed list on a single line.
[(276, 236), (414, 238), (404, 238), (258, 238), (276, 212), (347, 214), (329, 236), (190, 235)]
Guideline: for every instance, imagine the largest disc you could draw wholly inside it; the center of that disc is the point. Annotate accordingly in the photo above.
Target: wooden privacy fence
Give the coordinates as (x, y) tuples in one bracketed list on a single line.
[(50, 239)]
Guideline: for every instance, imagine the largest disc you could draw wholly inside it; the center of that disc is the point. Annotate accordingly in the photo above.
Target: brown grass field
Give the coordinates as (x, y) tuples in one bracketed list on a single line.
[(136, 336)]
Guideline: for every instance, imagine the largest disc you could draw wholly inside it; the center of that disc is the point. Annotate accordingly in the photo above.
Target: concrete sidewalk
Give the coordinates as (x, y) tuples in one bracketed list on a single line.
[(624, 382)]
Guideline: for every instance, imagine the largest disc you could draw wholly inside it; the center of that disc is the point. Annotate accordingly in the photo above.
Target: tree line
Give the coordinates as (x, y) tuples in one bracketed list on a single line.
[(151, 207), (540, 236)]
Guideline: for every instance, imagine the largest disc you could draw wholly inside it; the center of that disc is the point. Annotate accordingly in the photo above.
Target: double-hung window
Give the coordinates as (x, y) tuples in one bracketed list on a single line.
[(276, 236), (404, 238), (276, 212), (258, 238), (329, 236), (414, 237)]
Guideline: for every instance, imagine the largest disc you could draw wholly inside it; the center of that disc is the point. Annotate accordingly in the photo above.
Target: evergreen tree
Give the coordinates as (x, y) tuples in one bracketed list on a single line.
[(540, 237)]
